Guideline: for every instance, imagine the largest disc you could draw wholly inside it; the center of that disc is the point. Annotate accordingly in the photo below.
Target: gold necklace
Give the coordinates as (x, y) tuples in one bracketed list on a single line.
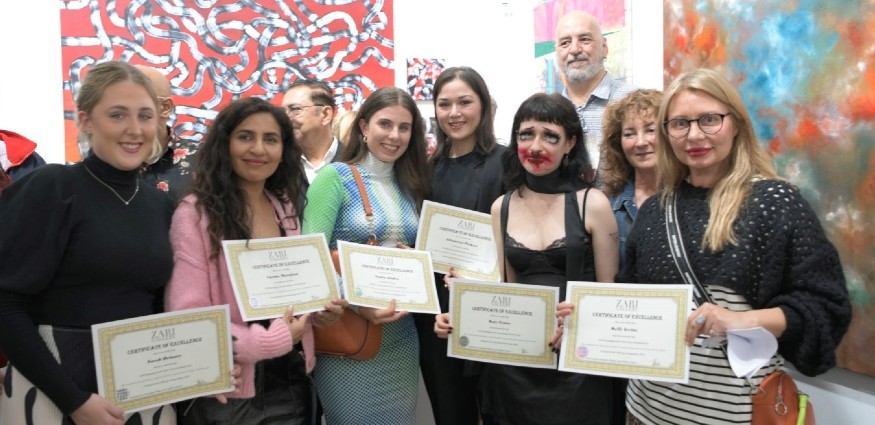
[(128, 202)]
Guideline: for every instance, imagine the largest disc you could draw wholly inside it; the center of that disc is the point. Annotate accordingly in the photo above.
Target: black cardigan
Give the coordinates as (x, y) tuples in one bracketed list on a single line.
[(782, 259)]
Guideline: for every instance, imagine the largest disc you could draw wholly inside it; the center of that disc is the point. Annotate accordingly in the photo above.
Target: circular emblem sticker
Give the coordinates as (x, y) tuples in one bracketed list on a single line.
[(581, 352), (253, 302), (463, 341)]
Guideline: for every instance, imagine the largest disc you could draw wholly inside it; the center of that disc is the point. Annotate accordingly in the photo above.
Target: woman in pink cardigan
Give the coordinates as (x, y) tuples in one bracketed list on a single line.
[(249, 184)]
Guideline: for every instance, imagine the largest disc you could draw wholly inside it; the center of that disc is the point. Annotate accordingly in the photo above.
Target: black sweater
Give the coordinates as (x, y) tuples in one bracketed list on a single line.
[(782, 259), (74, 255)]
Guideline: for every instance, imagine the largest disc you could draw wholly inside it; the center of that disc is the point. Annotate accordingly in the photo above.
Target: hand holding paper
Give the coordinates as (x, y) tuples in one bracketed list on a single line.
[(750, 349)]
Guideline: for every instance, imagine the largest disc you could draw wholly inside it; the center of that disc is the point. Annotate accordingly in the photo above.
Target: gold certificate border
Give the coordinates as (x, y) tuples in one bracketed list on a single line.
[(434, 208), (349, 248), (547, 358), (248, 311), (678, 368), (107, 335)]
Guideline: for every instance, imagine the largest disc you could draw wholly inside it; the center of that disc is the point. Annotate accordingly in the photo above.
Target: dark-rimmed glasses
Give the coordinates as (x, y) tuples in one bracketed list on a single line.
[(708, 124)]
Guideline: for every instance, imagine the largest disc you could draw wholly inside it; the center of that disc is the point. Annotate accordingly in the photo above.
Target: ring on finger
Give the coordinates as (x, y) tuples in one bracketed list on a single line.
[(700, 320)]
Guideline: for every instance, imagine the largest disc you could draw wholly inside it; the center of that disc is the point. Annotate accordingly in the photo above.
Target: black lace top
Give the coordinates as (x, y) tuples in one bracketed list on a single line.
[(520, 395)]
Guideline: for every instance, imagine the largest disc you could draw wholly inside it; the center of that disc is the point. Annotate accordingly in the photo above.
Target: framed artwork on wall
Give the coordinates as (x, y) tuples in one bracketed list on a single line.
[(421, 76), (218, 51)]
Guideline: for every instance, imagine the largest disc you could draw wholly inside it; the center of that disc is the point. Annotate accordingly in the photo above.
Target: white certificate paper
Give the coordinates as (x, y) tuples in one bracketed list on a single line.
[(630, 331), (154, 360), (373, 276), (269, 275), (458, 238), (505, 323)]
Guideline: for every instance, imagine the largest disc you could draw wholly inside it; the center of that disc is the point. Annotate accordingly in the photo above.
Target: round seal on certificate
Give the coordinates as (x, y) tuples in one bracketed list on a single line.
[(581, 352), (463, 341), (254, 303)]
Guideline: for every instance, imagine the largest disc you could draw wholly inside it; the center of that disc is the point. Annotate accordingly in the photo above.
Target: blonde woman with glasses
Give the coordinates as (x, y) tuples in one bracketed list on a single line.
[(754, 244)]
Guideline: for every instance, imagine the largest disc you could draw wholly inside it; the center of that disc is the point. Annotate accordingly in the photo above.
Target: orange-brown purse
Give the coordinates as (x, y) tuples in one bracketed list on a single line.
[(778, 401)]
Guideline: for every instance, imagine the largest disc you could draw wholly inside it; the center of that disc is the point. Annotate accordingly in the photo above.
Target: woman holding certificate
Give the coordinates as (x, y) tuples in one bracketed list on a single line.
[(551, 228), (248, 185), (387, 146), (753, 242), (467, 173), (82, 244)]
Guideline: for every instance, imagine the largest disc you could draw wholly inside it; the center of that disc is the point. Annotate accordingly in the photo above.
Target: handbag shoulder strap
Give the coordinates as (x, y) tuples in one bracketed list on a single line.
[(679, 253), (369, 213)]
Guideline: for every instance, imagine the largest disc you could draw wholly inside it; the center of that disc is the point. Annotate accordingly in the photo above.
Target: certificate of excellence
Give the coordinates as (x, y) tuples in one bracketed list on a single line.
[(373, 276), (154, 360), (627, 330), (458, 238), (504, 323), (269, 275)]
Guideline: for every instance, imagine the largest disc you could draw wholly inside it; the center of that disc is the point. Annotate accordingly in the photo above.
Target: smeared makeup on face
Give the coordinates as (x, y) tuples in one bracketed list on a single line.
[(538, 159)]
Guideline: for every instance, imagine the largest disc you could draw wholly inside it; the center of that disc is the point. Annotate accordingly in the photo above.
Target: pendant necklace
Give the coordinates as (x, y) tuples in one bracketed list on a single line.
[(137, 190)]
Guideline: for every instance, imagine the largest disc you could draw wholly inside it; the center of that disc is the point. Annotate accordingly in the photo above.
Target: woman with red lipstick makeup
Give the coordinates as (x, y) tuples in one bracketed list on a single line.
[(467, 173), (387, 146), (82, 244), (753, 243), (550, 228), (249, 184)]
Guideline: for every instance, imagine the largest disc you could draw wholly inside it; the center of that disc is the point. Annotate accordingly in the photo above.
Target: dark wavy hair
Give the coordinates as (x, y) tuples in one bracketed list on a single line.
[(555, 109), (219, 197), (485, 133), (411, 169), (615, 168)]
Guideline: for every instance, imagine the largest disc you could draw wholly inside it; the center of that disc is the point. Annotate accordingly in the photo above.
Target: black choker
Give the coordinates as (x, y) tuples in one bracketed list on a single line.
[(551, 183)]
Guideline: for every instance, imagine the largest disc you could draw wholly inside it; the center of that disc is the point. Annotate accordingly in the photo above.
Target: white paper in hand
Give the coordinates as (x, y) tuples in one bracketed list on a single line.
[(750, 349)]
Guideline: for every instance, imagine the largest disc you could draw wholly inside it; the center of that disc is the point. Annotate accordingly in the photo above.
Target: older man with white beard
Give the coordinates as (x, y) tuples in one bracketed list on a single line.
[(581, 51)]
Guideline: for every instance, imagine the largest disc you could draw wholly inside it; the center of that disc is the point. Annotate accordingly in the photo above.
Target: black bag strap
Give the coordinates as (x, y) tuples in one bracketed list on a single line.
[(679, 253)]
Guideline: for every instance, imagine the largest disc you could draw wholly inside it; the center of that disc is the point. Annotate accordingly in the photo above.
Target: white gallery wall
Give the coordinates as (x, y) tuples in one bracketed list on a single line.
[(495, 37)]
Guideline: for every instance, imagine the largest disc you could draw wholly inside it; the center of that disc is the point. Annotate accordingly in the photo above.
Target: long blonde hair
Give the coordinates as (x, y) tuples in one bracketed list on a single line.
[(747, 159)]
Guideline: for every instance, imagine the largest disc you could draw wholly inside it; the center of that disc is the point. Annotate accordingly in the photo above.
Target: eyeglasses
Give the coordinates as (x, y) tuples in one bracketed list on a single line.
[(295, 110), (708, 124)]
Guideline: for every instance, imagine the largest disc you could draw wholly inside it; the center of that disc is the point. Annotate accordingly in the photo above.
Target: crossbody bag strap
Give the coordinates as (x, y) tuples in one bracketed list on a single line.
[(679, 253), (369, 213)]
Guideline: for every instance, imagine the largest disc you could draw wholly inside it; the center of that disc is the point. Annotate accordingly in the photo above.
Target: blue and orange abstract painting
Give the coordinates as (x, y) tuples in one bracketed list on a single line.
[(806, 71)]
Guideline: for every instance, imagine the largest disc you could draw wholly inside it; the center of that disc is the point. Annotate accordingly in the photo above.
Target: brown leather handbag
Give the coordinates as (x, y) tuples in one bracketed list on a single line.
[(778, 401), (353, 336)]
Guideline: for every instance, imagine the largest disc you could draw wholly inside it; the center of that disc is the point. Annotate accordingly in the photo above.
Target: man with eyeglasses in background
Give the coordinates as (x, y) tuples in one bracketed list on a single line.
[(310, 106), (581, 52), (171, 172)]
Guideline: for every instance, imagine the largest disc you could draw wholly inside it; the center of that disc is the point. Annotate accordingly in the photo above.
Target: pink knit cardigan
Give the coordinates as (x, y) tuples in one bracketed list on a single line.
[(199, 281)]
